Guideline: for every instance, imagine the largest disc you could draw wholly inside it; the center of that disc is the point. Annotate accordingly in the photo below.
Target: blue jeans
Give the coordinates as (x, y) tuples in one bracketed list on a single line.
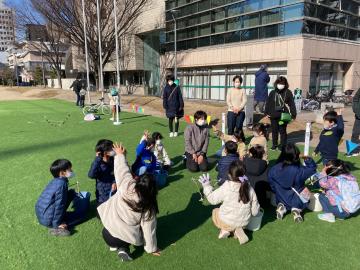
[(81, 203), (235, 121), (329, 208)]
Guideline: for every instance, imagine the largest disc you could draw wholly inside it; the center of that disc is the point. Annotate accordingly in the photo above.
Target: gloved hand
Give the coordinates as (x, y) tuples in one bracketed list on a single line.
[(204, 179)]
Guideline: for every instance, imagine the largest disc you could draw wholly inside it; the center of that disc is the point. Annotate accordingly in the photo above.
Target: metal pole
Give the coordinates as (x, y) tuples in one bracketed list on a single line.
[(101, 82), (86, 53), (175, 45), (42, 63), (117, 50)]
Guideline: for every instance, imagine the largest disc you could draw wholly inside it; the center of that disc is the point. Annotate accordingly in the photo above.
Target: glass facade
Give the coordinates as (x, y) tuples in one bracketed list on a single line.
[(213, 22)]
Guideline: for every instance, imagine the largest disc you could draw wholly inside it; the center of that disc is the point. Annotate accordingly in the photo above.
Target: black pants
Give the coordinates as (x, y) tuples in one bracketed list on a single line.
[(235, 121), (192, 166), (356, 134), (82, 101), (275, 130), (114, 242), (261, 188), (171, 124), (77, 98)]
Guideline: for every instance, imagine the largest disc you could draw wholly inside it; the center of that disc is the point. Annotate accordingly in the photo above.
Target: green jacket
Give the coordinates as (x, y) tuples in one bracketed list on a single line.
[(356, 104)]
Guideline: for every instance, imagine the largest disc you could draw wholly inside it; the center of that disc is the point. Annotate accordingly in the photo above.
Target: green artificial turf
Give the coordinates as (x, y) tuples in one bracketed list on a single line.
[(31, 140)]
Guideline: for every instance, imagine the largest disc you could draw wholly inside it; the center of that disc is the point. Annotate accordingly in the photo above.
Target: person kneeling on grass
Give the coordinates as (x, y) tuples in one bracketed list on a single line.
[(196, 143), (287, 181), (342, 196), (238, 202), (53, 202), (129, 217)]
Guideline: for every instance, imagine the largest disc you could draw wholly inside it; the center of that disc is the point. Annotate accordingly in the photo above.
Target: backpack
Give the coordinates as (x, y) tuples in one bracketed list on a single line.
[(349, 197)]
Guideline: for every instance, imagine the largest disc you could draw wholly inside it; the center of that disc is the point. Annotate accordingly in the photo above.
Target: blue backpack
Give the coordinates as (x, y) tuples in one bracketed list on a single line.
[(349, 197)]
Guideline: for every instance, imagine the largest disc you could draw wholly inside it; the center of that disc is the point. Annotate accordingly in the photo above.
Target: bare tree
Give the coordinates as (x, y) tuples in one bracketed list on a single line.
[(67, 15)]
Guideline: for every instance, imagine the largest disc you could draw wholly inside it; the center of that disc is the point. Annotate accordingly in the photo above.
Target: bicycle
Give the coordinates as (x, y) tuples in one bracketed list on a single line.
[(97, 107)]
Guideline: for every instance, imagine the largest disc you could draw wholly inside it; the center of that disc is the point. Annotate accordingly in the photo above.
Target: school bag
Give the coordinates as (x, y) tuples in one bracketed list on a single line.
[(349, 197)]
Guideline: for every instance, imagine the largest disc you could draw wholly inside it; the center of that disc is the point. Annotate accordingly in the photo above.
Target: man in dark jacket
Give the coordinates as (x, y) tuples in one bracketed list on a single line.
[(51, 206), (356, 128), (76, 86), (262, 79), (173, 104), (224, 163)]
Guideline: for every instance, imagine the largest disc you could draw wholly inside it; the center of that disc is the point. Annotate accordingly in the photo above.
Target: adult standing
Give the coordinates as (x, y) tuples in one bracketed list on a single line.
[(129, 216), (356, 128), (262, 79), (280, 101), (236, 101), (173, 104), (196, 143), (76, 86)]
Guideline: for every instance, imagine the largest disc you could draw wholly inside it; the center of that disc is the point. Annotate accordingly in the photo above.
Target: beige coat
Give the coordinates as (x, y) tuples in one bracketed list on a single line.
[(118, 218), (232, 212), (236, 99), (225, 138), (260, 140)]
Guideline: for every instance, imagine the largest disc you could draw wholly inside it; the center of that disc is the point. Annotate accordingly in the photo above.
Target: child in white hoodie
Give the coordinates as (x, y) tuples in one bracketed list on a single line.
[(238, 202), (162, 158)]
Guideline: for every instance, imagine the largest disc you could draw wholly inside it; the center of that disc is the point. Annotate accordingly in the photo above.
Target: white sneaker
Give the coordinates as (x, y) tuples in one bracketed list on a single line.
[(171, 134), (175, 134), (111, 119), (223, 234), (113, 249)]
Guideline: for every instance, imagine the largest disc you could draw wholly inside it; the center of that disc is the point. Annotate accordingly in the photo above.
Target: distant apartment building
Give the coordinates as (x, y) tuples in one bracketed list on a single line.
[(7, 30)]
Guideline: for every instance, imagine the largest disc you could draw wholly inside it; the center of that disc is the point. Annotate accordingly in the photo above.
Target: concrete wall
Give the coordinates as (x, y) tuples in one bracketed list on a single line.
[(66, 83)]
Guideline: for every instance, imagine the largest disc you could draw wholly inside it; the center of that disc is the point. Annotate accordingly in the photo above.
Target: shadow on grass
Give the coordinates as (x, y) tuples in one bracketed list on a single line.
[(171, 228), (134, 117)]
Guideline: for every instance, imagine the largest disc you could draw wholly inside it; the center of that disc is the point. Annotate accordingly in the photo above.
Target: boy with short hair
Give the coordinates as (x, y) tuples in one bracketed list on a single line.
[(330, 136), (51, 206), (225, 161)]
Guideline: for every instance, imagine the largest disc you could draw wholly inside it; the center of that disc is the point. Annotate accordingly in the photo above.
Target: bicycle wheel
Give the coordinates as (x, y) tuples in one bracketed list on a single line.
[(87, 109), (105, 109)]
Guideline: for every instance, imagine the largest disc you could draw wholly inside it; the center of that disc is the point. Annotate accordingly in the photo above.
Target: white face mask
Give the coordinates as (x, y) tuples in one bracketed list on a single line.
[(112, 153), (200, 122), (69, 174), (170, 82), (158, 141), (280, 86), (237, 85)]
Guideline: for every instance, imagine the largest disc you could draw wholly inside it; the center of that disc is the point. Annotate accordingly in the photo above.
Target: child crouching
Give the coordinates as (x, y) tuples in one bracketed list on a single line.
[(238, 202)]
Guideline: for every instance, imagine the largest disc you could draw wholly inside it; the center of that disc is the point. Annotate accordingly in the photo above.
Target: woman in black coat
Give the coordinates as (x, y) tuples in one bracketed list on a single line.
[(280, 100), (173, 104)]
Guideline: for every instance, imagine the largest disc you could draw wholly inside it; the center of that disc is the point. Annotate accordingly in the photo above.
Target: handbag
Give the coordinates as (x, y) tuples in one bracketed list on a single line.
[(285, 117)]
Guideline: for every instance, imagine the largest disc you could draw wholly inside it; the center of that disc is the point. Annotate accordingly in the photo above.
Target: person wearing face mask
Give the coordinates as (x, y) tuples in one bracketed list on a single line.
[(196, 143), (173, 104), (53, 202), (262, 79), (145, 161), (281, 100), (162, 158), (102, 170), (236, 100)]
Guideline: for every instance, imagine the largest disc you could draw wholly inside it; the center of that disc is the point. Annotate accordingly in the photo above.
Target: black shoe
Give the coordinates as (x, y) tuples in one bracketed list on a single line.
[(124, 256), (297, 216)]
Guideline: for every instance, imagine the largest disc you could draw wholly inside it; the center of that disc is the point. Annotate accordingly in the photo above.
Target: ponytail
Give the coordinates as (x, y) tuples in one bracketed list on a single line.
[(237, 173)]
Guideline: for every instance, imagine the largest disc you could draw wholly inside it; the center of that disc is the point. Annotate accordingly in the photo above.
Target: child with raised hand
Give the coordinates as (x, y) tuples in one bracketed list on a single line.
[(238, 137), (102, 170), (330, 136), (162, 158), (238, 202), (287, 181), (145, 161), (260, 138), (342, 196)]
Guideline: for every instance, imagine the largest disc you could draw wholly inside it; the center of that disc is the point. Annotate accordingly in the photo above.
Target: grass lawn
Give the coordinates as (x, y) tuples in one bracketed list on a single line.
[(185, 231)]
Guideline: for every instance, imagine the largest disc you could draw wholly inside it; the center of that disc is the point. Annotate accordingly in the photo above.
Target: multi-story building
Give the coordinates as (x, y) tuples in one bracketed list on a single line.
[(315, 44), (7, 30), (35, 32)]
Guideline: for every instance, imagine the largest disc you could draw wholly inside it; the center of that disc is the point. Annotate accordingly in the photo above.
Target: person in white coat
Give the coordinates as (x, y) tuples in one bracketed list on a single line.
[(129, 216), (238, 202)]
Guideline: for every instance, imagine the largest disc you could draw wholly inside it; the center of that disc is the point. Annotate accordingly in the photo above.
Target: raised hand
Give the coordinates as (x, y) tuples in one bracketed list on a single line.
[(204, 179), (119, 148)]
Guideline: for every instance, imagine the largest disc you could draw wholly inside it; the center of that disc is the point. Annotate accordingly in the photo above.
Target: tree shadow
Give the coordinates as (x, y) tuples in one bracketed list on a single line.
[(159, 124), (173, 178), (178, 164), (298, 136), (134, 117), (172, 227)]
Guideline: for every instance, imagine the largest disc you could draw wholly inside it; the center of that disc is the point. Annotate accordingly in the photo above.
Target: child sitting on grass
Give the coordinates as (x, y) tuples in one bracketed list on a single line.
[(53, 202), (145, 161), (342, 196), (260, 138), (162, 158), (225, 161), (238, 202), (102, 170), (238, 138), (330, 136), (287, 180)]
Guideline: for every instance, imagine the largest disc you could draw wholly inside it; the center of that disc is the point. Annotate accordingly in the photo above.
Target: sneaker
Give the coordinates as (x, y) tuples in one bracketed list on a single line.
[(113, 249), (111, 119), (353, 155), (329, 217), (280, 211), (124, 256), (223, 234), (171, 134), (241, 236), (175, 134), (297, 216), (59, 232)]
